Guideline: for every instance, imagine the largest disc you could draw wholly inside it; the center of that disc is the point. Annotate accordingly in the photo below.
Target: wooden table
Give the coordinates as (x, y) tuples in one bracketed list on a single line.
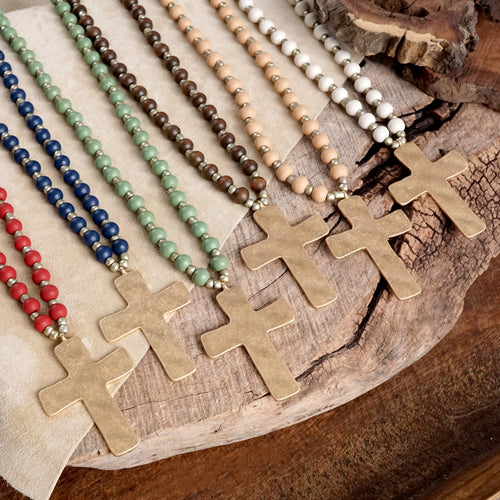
[(433, 431)]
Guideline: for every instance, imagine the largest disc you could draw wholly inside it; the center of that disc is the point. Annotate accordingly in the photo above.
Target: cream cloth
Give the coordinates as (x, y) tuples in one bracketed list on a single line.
[(34, 448)]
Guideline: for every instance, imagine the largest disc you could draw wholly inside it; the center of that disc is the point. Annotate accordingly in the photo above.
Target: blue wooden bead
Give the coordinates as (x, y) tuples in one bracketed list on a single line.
[(43, 181), (52, 146), (17, 94), (65, 208), (54, 195), (110, 229), (103, 253), (34, 121), (61, 161), (77, 223), (42, 135), (81, 190), (90, 201), (99, 215), (31, 167), (70, 176), (20, 154), (90, 237), (10, 141), (119, 246), (25, 108)]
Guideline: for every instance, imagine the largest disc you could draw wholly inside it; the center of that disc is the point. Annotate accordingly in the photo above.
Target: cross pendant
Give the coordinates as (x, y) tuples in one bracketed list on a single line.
[(372, 235), (87, 381), (249, 328), (287, 243), (431, 178), (146, 311)]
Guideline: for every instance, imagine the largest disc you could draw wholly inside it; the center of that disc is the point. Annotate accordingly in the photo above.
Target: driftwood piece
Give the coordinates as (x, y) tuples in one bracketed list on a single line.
[(363, 339), (436, 45)]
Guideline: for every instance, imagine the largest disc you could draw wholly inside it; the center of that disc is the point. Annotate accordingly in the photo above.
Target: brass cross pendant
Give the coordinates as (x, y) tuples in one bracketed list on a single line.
[(428, 177), (249, 328), (146, 311), (371, 235), (87, 381), (287, 243)]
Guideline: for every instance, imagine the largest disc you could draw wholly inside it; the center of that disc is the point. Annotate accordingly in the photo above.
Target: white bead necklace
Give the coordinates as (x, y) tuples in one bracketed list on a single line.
[(393, 133)]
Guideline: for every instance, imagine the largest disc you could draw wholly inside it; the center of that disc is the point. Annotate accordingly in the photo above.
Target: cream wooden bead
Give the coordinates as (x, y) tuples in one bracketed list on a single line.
[(319, 31), (290, 97), (272, 71), (372, 96), (384, 109), (262, 59), (225, 11), (253, 127), (327, 155), (255, 47), (301, 7), (365, 120), (310, 19), (325, 82), (299, 184), (338, 171), (309, 126), (193, 34), (380, 134), (299, 112), (243, 36), (213, 58), (247, 112), (319, 194), (281, 84), (244, 4), (254, 14), (223, 72), (288, 47), (339, 94), (242, 98), (270, 157), (233, 84), (283, 172), (277, 37), (261, 141), (234, 23), (353, 106), (396, 125), (320, 141), (215, 3), (184, 23), (351, 69), (331, 43), (341, 56), (175, 12), (312, 71), (362, 83), (265, 25), (301, 59), (203, 46)]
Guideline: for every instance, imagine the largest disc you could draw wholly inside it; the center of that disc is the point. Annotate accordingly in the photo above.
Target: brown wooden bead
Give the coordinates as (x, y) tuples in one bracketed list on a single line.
[(196, 157), (86, 22), (128, 79), (209, 111), (93, 32), (224, 182), (218, 125), (171, 62), (209, 170), (241, 195), (152, 37), (198, 99), (119, 69), (100, 44), (226, 139), (237, 152), (145, 23), (185, 144), (160, 118), (148, 105), (171, 132), (161, 49), (249, 167), (187, 87), (180, 74), (78, 9), (107, 56), (138, 92), (129, 3), (258, 184), (137, 10)]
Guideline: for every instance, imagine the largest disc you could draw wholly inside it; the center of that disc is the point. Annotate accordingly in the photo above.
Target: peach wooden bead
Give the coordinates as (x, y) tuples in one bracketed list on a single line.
[(255, 47), (262, 59), (319, 194), (254, 127), (243, 36), (327, 155), (184, 23), (242, 98), (320, 140), (175, 12), (233, 84), (193, 34), (283, 172), (233, 23), (247, 112), (272, 71), (281, 85), (224, 71), (226, 11), (289, 98), (270, 157), (203, 46), (309, 127), (299, 184), (338, 171), (212, 58), (262, 140), (215, 3), (299, 112)]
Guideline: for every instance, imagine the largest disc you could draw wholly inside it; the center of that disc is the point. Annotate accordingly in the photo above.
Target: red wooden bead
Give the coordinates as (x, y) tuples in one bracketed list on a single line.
[(3, 194), (39, 275), (18, 289), (6, 208), (6, 273), (41, 322), (13, 225), (21, 241), (31, 305), (32, 257), (3, 259), (49, 292), (57, 311)]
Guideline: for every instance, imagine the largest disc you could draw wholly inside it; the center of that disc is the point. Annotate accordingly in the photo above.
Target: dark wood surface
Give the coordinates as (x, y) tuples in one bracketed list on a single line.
[(433, 431)]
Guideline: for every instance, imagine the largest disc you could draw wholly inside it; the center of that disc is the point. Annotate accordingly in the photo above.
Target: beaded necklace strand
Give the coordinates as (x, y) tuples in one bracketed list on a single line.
[(87, 380)]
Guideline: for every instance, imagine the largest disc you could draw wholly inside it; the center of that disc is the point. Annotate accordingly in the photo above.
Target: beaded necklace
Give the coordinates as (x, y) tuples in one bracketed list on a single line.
[(87, 380), (366, 233)]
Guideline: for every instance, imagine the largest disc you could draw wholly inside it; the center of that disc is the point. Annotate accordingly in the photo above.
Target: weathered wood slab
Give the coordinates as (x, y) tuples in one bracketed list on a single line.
[(364, 338)]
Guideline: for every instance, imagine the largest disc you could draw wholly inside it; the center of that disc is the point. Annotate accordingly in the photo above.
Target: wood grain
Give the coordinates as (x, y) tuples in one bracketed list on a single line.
[(432, 431), (366, 337)]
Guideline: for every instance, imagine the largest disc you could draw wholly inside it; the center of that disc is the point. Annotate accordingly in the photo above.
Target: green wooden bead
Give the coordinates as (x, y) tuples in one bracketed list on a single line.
[(34, 66), (62, 8), (76, 30), (149, 152), (135, 203), (43, 78), (186, 212), (63, 105), (219, 263), (132, 123), (146, 217), (159, 167), (200, 276), (93, 146), (102, 161), (4, 22), (167, 248), (8, 33), (83, 132), (111, 173), (117, 96), (107, 82), (169, 181), (122, 110), (123, 187), (157, 234), (99, 69), (69, 18), (52, 92), (140, 137), (210, 244), (74, 117), (177, 197), (199, 228), (183, 262), (84, 43), (91, 57), (18, 43), (27, 55)]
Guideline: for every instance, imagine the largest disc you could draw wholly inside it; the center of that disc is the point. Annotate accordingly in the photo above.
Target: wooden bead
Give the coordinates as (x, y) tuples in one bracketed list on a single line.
[(270, 157), (262, 59), (241, 195), (175, 12), (203, 46), (243, 36), (320, 140), (224, 71), (299, 112), (338, 171), (272, 71), (233, 84), (290, 97), (281, 85), (184, 23), (254, 127), (319, 194), (309, 127), (215, 3), (255, 47), (226, 11), (258, 184), (213, 57), (262, 140), (234, 23), (242, 98), (247, 112), (327, 155), (193, 34), (299, 184), (283, 172)]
